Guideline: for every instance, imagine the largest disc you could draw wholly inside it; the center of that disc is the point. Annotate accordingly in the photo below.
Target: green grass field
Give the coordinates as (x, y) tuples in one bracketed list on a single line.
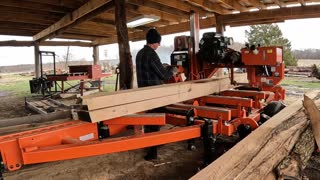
[(18, 85), (301, 83)]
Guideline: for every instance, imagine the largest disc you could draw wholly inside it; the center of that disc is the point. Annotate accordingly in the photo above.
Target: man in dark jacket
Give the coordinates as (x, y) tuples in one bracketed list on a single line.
[(151, 72)]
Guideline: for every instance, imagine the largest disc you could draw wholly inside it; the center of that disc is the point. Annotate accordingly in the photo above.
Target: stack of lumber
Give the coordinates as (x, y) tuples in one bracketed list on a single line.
[(298, 71), (284, 142), (138, 100)]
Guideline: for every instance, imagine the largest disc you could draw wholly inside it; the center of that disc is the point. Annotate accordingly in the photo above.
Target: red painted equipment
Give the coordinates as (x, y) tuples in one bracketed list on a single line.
[(239, 110), (81, 73)]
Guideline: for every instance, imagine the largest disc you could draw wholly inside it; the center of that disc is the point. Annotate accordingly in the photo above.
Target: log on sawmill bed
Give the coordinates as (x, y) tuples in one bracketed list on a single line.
[(137, 100), (259, 153)]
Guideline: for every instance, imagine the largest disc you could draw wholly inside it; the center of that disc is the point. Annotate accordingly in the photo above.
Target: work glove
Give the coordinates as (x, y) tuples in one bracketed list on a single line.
[(165, 65), (174, 71)]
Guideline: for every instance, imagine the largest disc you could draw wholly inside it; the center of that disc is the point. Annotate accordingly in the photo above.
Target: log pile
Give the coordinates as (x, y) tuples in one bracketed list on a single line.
[(298, 71), (283, 145)]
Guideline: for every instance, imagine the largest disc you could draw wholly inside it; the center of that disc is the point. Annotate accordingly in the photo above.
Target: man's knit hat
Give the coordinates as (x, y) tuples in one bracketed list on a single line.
[(153, 36)]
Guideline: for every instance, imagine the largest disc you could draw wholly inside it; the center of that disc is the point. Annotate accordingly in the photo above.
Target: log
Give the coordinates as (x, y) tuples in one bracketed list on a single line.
[(260, 152), (38, 118), (30, 126), (314, 115), (293, 165), (142, 99)]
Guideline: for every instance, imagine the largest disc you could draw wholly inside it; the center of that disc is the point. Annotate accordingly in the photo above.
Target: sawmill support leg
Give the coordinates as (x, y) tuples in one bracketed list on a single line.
[(1, 167), (190, 122), (208, 141)]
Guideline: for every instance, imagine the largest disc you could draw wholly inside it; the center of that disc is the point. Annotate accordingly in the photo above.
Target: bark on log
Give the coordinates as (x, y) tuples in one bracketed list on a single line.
[(38, 118), (260, 152), (314, 115), (293, 165)]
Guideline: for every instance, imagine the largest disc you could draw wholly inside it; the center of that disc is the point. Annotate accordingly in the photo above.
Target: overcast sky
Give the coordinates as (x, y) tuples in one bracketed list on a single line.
[(303, 34)]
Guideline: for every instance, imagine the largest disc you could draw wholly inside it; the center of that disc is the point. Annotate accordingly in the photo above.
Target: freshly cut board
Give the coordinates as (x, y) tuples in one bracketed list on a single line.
[(137, 100)]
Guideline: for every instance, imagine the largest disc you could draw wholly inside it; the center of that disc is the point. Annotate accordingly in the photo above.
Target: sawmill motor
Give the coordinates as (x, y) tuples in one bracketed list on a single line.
[(214, 49)]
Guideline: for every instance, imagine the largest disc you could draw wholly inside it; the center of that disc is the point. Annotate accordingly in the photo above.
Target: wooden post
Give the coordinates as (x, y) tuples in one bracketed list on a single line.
[(36, 59), (95, 55), (219, 24), (124, 48), (194, 35), (219, 29)]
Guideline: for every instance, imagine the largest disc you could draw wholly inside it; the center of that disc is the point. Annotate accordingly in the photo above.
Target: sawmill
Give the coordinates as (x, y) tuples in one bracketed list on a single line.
[(198, 106)]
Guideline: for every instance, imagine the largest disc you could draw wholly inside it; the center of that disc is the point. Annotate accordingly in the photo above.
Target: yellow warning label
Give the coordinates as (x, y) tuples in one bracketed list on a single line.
[(269, 51)]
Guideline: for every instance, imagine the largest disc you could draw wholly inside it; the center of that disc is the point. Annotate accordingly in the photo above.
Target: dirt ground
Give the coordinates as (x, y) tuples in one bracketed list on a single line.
[(11, 106), (174, 160)]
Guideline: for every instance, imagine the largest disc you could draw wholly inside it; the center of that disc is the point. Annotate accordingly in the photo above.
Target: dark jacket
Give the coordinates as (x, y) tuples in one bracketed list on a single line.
[(150, 71)]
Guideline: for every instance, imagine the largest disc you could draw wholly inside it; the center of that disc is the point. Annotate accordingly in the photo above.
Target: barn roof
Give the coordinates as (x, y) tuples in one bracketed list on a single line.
[(94, 20)]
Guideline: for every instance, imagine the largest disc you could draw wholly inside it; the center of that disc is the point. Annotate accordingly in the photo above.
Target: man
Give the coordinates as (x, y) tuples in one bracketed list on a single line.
[(151, 72)]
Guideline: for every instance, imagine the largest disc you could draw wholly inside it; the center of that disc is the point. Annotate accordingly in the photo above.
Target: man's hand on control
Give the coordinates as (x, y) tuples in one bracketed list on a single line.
[(165, 65), (174, 70)]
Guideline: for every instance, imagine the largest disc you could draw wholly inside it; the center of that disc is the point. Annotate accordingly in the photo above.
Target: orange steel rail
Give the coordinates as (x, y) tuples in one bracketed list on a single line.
[(77, 139)]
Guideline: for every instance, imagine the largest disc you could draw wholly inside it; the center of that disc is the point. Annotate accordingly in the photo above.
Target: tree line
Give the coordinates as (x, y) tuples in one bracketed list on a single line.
[(307, 54)]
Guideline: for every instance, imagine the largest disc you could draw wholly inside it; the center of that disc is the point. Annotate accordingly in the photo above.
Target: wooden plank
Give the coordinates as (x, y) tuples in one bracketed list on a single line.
[(70, 18), (255, 156), (142, 99), (38, 118), (29, 126)]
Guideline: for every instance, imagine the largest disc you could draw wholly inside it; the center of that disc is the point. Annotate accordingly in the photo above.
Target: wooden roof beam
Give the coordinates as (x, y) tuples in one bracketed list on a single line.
[(64, 3), (281, 13), (34, 6), (208, 6), (302, 2), (279, 3), (256, 3), (45, 43), (77, 36), (231, 4), (170, 29), (160, 7), (261, 21), (150, 11), (184, 6), (85, 12)]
